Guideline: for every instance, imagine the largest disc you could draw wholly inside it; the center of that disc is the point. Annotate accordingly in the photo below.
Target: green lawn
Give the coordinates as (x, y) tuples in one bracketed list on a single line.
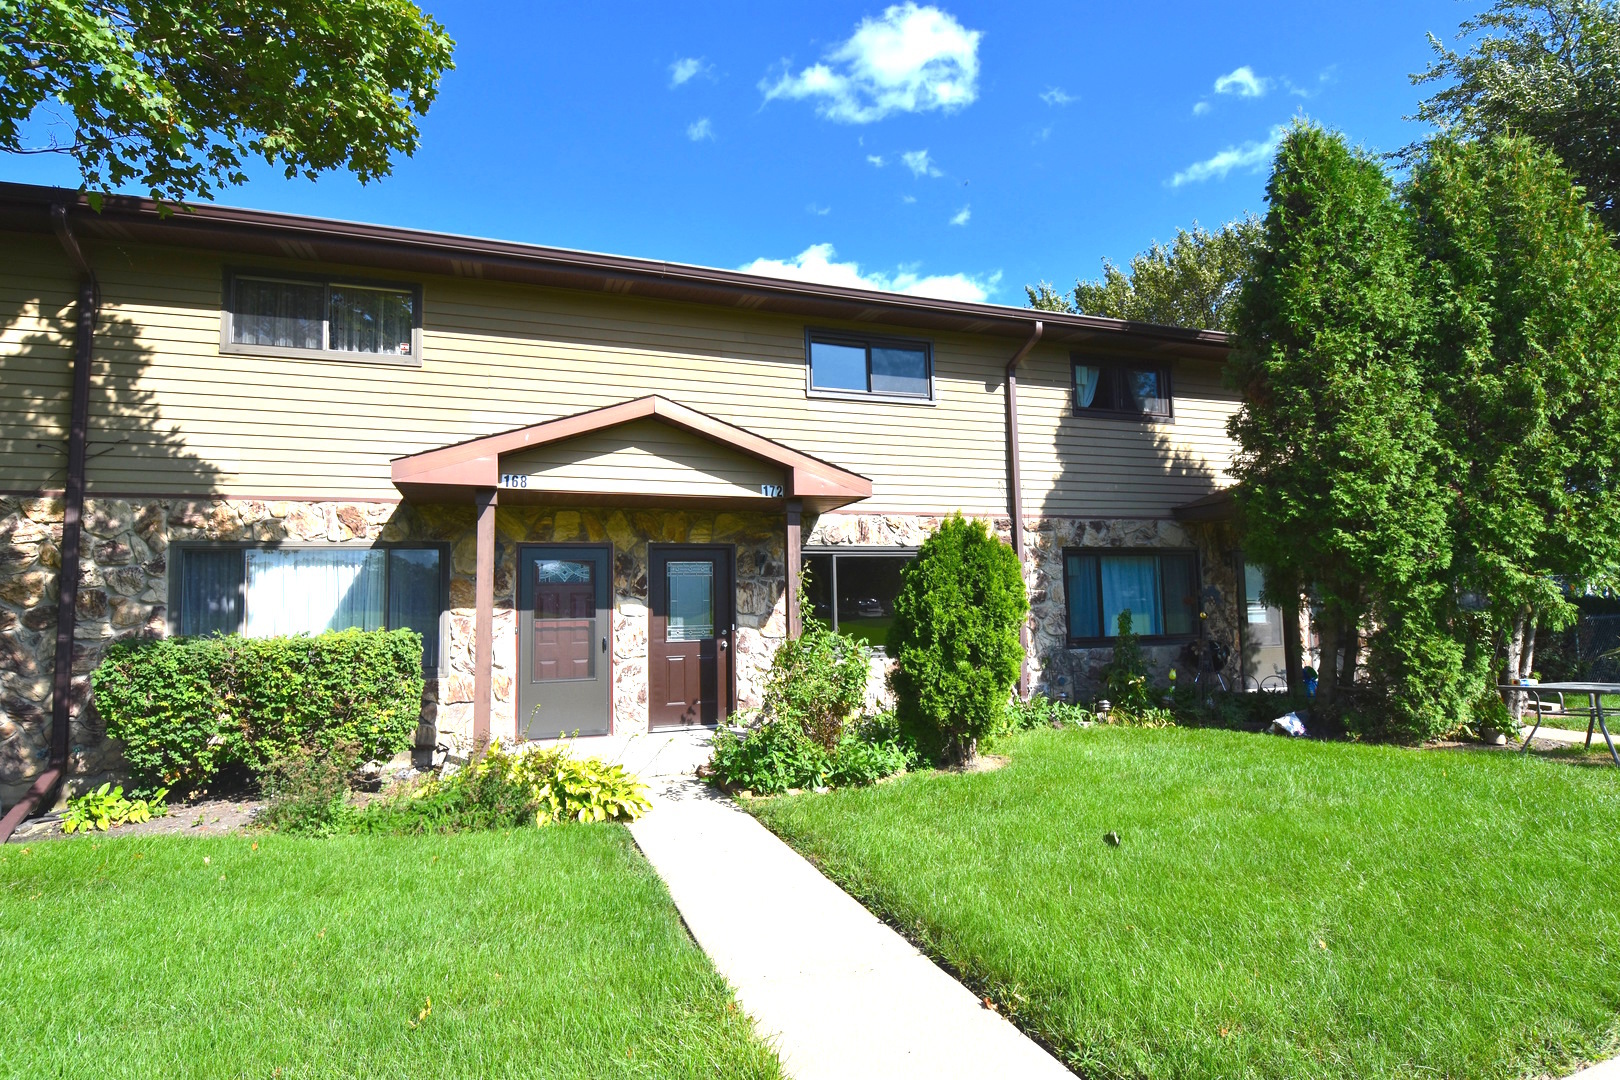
[(1275, 908), (546, 952)]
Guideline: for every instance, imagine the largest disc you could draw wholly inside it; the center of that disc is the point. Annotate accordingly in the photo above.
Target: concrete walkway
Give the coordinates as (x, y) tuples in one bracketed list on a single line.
[(836, 992)]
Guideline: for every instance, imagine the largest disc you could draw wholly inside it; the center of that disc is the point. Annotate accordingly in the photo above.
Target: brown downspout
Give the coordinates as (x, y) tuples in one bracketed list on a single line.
[(1015, 485), (67, 577)]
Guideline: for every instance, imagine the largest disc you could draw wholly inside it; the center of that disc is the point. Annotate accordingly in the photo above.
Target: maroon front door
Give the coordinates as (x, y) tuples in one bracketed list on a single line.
[(689, 663)]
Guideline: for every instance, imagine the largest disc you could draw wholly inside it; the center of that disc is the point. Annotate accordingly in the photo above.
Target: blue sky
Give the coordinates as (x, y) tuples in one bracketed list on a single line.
[(963, 149)]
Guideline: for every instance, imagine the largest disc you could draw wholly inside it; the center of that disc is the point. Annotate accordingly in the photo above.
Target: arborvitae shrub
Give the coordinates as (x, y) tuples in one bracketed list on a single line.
[(955, 638)]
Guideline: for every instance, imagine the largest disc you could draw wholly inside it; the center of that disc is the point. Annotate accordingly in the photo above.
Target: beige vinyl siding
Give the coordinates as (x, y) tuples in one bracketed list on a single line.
[(171, 415), (38, 299), (641, 457), (1082, 466)]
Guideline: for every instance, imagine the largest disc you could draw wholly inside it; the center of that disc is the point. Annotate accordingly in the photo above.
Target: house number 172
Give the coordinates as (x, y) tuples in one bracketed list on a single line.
[(771, 491)]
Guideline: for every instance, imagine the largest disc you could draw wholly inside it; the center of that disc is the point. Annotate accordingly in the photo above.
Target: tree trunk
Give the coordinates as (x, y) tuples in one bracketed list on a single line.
[(1527, 658), (1515, 657), (1328, 677), (1293, 653)]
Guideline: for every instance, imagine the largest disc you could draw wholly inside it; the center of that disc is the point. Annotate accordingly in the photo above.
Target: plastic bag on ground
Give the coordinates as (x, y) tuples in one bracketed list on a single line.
[(1290, 725)]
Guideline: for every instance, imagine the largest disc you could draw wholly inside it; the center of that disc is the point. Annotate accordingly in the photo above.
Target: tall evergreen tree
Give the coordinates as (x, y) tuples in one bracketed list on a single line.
[(1336, 468), (1523, 354)]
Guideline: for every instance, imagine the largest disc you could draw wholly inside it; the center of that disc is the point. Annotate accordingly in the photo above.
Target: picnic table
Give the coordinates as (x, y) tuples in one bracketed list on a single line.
[(1594, 692)]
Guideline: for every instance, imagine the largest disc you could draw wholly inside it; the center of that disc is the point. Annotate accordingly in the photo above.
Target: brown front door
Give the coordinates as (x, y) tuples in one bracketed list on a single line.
[(689, 665), (565, 671)]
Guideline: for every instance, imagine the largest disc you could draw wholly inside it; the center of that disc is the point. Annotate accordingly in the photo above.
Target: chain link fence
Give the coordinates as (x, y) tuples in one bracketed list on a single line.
[(1595, 636)]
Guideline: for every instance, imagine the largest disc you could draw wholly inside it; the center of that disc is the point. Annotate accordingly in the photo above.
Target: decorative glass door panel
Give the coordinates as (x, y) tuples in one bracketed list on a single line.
[(691, 599), (564, 615)]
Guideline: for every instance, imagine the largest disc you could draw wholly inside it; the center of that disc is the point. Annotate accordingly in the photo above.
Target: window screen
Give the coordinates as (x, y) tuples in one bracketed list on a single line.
[(284, 314)]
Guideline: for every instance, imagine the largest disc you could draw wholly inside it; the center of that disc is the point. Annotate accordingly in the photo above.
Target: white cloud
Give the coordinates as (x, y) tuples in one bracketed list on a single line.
[(818, 210), (816, 264), (909, 59), (1251, 156), (917, 161), (1055, 95), (1243, 82), (908, 198), (875, 159), (698, 130), (1201, 108), (961, 216), (686, 69), (1042, 135)]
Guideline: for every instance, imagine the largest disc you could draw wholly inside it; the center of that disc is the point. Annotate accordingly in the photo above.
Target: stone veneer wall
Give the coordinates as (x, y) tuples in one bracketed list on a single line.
[(1050, 658), (124, 591), (1057, 669)]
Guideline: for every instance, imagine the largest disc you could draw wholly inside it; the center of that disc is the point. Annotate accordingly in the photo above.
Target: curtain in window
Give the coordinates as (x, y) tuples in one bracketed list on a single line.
[(1082, 592), (1086, 377), (278, 313), (370, 320), (210, 592), (306, 591), (1131, 583), (413, 597)]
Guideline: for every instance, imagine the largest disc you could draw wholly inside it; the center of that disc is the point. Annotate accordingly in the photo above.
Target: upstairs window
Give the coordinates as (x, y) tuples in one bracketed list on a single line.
[(305, 317), (844, 365), (1120, 388)]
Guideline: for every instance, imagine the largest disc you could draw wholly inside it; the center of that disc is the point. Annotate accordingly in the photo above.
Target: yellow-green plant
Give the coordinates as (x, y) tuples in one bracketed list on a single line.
[(505, 787), (106, 807)]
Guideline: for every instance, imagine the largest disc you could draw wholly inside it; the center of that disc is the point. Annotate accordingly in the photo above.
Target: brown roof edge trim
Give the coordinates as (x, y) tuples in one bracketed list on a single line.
[(1005, 319), (476, 461)]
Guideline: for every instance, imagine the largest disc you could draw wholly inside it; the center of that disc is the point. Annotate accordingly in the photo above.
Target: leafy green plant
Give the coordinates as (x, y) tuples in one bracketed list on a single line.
[(859, 761), (768, 759), (1043, 712), (1126, 675), (1151, 716), (308, 793), (955, 638), (504, 788), (107, 807), (187, 709), (817, 680)]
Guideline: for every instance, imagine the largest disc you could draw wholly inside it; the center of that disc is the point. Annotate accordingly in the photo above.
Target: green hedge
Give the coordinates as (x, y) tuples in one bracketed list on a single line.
[(187, 708)]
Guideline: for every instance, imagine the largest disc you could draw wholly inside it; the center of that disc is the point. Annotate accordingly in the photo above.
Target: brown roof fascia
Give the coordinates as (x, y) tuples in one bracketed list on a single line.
[(476, 462), (25, 207)]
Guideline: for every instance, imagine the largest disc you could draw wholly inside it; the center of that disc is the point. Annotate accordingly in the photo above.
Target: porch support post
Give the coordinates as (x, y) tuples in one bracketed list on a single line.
[(484, 620), (795, 559)]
